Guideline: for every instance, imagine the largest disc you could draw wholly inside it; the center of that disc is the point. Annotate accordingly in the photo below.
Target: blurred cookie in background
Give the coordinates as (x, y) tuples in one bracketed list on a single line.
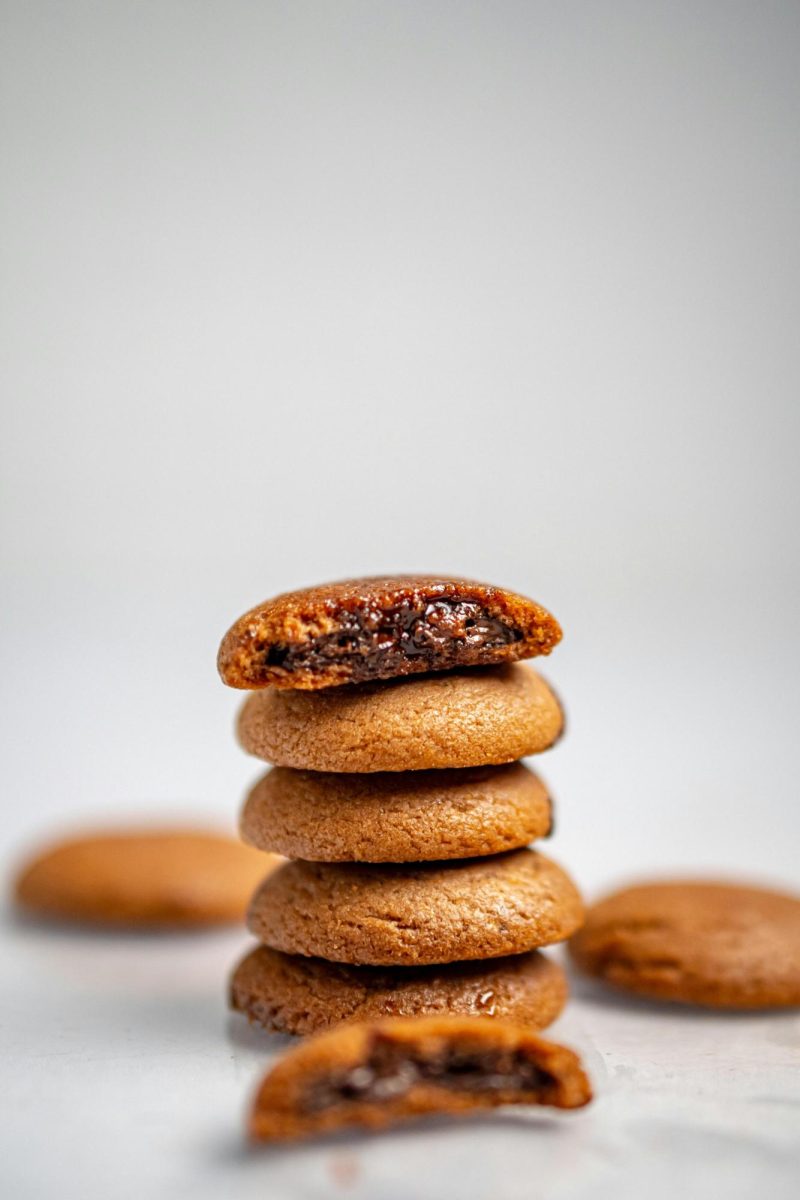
[(142, 878), (722, 945)]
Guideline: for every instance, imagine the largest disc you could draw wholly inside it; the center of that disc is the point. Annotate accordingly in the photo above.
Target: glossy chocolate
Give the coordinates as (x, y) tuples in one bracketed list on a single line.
[(375, 645), (391, 1071), (360, 630)]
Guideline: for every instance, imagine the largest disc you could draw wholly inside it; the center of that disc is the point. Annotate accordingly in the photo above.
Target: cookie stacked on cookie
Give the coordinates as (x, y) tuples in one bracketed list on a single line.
[(395, 712)]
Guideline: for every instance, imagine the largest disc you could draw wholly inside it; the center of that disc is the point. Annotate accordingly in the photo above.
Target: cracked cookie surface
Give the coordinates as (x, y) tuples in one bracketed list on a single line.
[(466, 718), (408, 816), (292, 994), (411, 915)]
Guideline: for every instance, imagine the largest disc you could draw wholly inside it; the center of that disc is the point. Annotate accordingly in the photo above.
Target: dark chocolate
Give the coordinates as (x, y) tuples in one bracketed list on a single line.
[(376, 642), (391, 1071)]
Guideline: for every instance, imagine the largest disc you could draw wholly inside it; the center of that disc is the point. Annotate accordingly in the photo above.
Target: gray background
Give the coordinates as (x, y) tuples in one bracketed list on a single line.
[(294, 291), (300, 290)]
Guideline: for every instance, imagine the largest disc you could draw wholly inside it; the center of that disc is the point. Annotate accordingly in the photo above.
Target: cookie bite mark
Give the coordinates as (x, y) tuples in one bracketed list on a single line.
[(360, 630), (371, 1076)]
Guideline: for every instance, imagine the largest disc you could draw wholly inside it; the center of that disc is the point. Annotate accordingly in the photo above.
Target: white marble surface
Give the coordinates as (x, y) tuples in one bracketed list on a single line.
[(124, 1077)]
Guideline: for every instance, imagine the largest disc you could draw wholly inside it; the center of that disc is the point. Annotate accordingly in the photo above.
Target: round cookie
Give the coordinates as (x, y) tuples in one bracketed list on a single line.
[(715, 944), (379, 628), (143, 878), (412, 915), (291, 994), (465, 718), (409, 816)]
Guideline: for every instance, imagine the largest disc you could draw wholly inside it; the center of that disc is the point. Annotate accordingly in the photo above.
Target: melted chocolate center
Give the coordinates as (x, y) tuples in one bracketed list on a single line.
[(373, 643), (390, 1072)]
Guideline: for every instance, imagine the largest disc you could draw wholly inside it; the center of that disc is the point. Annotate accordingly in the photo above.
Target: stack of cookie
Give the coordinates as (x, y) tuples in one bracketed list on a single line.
[(395, 712)]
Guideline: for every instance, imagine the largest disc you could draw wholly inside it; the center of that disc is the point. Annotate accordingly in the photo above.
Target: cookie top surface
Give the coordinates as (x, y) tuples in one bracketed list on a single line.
[(406, 816), (716, 944), (411, 915), (358, 630), (291, 994), (141, 878), (375, 1074), (465, 718)]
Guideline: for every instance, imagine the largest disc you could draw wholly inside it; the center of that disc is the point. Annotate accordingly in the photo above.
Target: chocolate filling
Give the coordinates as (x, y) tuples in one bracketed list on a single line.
[(373, 642), (391, 1071)]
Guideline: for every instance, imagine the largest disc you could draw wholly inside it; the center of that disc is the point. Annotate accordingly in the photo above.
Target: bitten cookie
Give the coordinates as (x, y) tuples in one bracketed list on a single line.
[(374, 1075), (715, 944), (408, 816), (144, 878), (410, 915), (378, 628), (465, 718), (291, 994)]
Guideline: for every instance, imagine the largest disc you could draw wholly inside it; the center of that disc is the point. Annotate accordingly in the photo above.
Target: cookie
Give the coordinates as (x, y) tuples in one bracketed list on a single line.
[(143, 878), (291, 994), (715, 944), (467, 718), (408, 816), (374, 1075), (409, 915), (360, 630)]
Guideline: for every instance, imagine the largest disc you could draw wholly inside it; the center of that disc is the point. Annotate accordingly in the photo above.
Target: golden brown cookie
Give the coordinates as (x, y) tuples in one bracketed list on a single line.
[(715, 944), (467, 718), (291, 994), (407, 816), (144, 878), (371, 1076), (359, 630), (410, 915)]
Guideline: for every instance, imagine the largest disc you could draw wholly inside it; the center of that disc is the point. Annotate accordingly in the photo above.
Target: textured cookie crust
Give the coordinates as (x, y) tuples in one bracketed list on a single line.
[(408, 816), (410, 915), (715, 944), (291, 994), (379, 628), (467, 718), (374, 1075), (141, 878)]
